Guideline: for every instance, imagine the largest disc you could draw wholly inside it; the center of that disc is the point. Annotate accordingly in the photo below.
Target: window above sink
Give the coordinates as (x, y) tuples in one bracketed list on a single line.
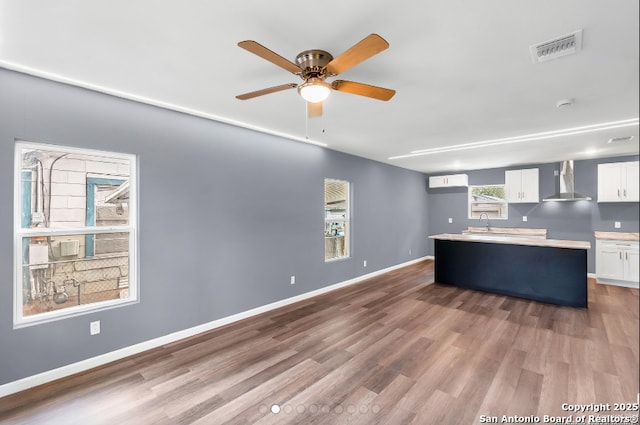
[(488, 201)]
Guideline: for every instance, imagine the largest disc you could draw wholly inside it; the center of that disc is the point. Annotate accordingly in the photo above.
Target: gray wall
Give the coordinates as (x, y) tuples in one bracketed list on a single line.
[(563, 220), (227, 215)]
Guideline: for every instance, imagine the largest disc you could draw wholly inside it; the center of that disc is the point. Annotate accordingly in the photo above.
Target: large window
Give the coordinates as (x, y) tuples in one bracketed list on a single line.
[(336, 219), (75, 231), (490, 200)]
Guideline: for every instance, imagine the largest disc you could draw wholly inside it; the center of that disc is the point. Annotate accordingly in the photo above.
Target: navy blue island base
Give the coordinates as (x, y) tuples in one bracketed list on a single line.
[(540, 273)]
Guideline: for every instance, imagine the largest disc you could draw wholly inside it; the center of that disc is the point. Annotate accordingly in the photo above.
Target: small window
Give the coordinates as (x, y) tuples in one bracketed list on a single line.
[(490, 200), (336, 219), (75, 232)]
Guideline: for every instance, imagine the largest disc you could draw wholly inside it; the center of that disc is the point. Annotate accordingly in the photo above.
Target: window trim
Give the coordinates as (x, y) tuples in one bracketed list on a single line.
[(19, 233), (346, 219)]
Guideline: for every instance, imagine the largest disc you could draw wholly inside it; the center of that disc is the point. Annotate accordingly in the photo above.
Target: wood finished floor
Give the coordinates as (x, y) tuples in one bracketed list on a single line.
[(394, 350)]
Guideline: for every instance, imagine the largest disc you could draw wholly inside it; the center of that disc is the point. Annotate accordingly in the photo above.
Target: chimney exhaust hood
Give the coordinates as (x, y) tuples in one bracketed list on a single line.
[(566, 190)]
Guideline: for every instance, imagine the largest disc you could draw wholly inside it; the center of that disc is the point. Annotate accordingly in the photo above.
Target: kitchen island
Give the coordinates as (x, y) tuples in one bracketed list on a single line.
[(547, 270)]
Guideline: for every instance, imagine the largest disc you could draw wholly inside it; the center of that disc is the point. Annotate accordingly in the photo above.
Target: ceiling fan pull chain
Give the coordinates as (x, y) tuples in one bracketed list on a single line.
[(322, 118), (306, 121)]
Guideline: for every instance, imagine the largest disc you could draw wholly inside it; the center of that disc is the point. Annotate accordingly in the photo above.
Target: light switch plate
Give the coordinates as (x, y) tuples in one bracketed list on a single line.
[(450, 220), (524, 218), (617, 224)]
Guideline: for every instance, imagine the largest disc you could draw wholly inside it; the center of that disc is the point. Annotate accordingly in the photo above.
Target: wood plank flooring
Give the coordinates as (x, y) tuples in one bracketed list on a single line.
[(394, 349)]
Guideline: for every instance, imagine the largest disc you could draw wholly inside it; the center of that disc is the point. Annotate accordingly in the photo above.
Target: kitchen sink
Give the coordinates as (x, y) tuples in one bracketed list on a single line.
[(502, 233)]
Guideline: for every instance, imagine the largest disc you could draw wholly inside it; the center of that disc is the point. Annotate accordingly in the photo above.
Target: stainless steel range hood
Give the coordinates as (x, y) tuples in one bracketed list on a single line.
[(566, 190)]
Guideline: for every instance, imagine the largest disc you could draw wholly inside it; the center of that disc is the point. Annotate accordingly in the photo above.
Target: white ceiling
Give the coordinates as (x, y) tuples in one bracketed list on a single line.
[(462, 69)]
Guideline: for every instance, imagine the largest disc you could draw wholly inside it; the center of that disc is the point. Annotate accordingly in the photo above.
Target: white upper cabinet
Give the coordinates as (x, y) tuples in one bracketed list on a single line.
[(453, 180), (522, 185), (618, 182)]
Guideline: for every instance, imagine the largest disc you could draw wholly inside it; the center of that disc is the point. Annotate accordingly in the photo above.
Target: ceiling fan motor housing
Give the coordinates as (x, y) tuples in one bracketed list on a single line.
[(312, 62)]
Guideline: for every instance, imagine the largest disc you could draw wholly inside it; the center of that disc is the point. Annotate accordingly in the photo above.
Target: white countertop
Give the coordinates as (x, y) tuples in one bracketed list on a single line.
[(513, 240)]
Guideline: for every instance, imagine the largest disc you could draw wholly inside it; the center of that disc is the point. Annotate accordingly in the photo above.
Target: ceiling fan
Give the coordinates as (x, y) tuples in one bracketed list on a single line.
[(314, 66)]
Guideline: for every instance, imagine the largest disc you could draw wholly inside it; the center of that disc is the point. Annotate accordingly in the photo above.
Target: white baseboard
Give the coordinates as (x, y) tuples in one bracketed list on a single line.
[(622, 283), (83, 365)]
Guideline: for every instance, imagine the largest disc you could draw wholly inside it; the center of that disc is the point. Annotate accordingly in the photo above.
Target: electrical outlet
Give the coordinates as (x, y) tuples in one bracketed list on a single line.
[(293, 280), (524, 218), (94, 327), (450, 220), (364, 264), (617, 224)]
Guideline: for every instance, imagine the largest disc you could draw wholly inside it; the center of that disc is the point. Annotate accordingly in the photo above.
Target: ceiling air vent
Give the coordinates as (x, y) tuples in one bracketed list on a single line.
[(620, 139), (564, 45)]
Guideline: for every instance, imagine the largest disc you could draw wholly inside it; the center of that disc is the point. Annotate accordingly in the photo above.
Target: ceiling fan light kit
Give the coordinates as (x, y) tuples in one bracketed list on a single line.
[(314, 90), (314, 66)]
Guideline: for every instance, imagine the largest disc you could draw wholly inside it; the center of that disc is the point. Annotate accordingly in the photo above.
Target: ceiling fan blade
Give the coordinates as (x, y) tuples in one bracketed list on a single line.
[(361, 51), (263, 52), (262, 92), (314, 109), (374, 92)]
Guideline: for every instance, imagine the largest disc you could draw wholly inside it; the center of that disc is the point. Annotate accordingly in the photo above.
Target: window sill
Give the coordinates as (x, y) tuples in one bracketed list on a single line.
[(80, 311)]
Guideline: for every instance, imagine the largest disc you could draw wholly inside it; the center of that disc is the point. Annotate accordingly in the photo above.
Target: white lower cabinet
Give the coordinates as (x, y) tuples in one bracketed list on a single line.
[(632, 266), (617, 261)]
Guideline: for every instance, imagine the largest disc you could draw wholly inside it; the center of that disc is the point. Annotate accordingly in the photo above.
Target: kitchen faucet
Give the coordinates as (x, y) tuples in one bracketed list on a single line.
[(486, 216)]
